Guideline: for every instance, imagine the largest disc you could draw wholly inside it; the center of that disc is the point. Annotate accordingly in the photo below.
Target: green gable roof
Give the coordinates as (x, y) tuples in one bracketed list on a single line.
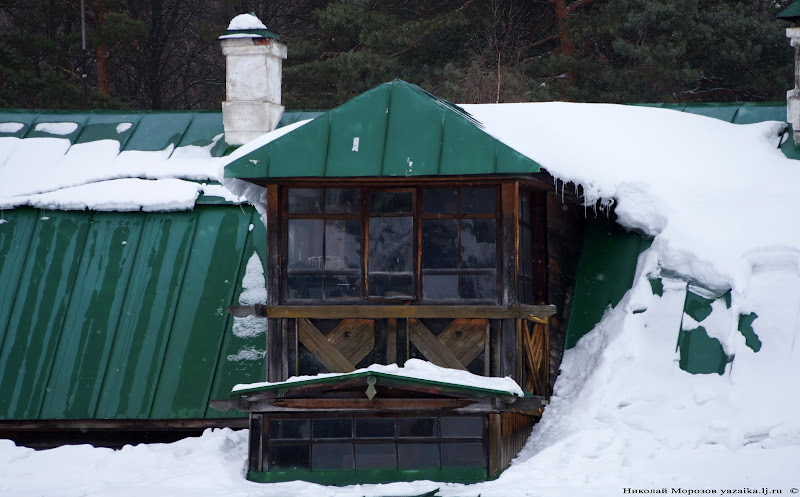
[(791, 13), (396, 129)]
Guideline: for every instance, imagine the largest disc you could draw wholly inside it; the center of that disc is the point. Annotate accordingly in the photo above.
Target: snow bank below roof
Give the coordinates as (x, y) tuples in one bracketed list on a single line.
[(416, 369), (710, 192), (52, 173)]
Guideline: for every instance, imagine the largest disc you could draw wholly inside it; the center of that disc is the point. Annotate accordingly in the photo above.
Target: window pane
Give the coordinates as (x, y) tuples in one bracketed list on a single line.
[(440, 244), (418, 456), (305, 286), (440, 201), (526, 291), (462, 427), (478, 243), (305, 243), (478, 200), (305, 200), (525, 207), (343, 244), (391, 244), (478, 286), (342, 201), (525, 251), (332, 456), (375, 428), (375, 456), (282, 429), (391, 202), (391, 285), (286, 457), (342, 286), (462, 455), (417, 427), (333, 428), (440, 286)]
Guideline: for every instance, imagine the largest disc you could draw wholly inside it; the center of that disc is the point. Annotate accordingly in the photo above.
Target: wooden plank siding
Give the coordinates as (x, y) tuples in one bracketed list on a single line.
[(565, 229)]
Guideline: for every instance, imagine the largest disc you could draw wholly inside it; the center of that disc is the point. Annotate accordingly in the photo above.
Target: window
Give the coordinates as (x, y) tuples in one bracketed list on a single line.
[(406, 443), (372, 244), (532, 271), (391, 245), (324, 243), (459, 244)]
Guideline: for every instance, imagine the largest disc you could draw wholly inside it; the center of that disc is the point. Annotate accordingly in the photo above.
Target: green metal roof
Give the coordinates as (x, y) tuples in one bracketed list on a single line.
[(393, 378), (122, 315), (396, 129), (791, 13), (136, 130)]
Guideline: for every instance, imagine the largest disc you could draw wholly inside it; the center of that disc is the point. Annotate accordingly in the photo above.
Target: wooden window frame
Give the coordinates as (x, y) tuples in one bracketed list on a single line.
[(459, 215), (310, 442), (364, 215)]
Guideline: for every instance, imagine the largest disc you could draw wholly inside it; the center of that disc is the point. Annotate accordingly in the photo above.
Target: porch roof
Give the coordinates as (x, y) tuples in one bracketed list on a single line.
[(416, 373)]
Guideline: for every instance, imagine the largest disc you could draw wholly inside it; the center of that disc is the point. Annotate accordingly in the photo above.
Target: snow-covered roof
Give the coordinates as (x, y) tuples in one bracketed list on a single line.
[(690, 182), (414, 369), (124, 162)]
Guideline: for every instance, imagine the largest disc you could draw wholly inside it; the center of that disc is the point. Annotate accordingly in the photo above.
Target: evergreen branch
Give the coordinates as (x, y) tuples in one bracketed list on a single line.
[(578, 4), (428, 31)]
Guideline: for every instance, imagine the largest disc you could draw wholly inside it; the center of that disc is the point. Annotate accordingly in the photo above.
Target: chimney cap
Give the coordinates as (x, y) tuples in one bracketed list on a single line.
[(791, 13), (248, 26)]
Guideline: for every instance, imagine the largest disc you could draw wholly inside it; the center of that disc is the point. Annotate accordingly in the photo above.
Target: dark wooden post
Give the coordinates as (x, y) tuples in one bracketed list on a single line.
[(277, 367)]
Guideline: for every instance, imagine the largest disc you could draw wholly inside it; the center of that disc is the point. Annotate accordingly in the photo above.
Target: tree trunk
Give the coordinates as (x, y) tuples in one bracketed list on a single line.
[(101, 54), (567, 45)]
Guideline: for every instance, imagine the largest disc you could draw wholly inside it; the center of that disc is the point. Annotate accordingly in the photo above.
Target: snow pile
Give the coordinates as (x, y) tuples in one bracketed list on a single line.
[(51, 173), (57, 128), (689, 181), (254, 291), (210, 465), (245, 21), (413, 368)]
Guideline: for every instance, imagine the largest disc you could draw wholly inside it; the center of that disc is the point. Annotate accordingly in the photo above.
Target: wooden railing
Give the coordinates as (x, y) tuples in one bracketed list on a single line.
[(455, 347), (517, 311)]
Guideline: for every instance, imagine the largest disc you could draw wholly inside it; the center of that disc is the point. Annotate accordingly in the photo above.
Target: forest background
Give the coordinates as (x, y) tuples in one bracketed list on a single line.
[(164, 54)]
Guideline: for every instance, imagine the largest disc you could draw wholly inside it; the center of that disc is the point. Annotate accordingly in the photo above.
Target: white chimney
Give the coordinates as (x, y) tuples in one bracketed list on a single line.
[(254, 57), (793, 95)]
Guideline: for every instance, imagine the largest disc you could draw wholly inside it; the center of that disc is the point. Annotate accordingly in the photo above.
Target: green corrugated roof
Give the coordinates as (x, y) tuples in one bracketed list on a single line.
[(135, 130), (393, 378), (396, 129), (122, 315)]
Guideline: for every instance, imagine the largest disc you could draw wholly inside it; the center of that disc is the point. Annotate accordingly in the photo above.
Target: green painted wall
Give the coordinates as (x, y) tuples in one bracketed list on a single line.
[(605, 273)]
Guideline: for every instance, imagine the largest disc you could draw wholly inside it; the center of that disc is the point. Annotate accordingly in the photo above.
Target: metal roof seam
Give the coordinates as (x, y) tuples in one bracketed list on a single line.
[(165, 347), (386, 127), (52, 361), (133, 257), (242, 267)]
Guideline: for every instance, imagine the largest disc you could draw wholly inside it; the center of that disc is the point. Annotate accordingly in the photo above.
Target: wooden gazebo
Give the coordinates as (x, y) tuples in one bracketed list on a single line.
[(399, 229)]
